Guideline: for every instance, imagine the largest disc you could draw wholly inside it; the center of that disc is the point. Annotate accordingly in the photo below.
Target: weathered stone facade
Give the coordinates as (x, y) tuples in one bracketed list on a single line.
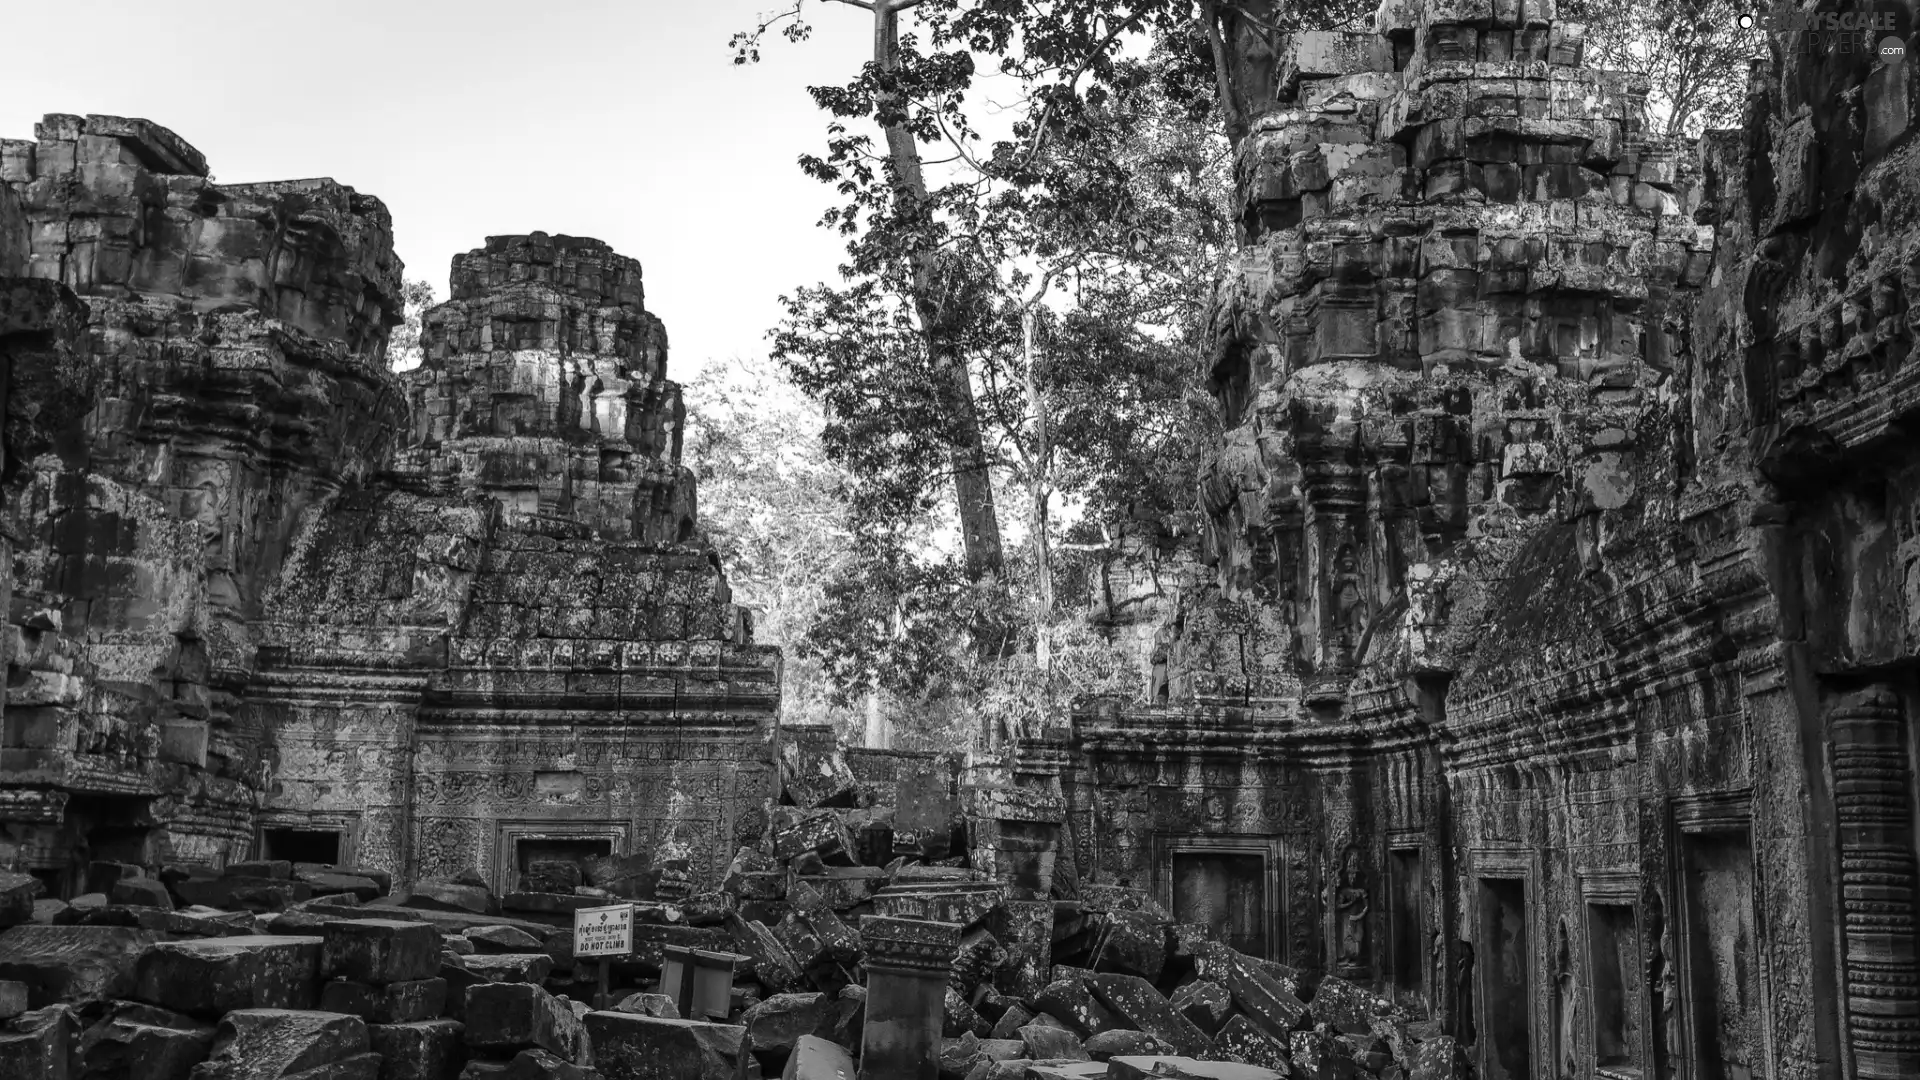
[(1556, 670), (265, 592)]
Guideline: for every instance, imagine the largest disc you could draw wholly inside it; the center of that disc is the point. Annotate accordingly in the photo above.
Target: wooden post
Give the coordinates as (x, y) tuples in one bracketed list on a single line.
[(600, 999)]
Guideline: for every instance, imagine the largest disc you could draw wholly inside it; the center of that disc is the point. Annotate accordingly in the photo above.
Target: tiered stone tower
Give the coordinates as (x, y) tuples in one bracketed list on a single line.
[(256, 609), (544, 384)]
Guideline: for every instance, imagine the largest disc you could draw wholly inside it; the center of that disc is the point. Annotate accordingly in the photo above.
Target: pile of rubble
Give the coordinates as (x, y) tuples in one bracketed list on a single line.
[(275, 970)]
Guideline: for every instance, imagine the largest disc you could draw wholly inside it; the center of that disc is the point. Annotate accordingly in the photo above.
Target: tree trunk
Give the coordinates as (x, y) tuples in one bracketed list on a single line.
[(972, 483), (1039, 486)]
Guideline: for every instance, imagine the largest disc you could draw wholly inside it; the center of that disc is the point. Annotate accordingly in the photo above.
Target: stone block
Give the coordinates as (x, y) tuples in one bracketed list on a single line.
[(510, 1017), (819, 831), (815, 1058), (1440, 1058), (1044, 1041), (1240, 1039), (1346, 1008), (509, 967), (143, 1041), (387, 1003), (380, 950), (284, 1044), (453, 896), (630, 1047), (1266, 1001), (17, 894), (1172, 1067), (1206, 1004), (38, 1044), (424, 1050), (141, 892), (1136, 1004), (329, 884), (777, 1023), (242, 892), (540, 1065), (1073, 1003), (1137, 943), (270, 869), (214, 976), (658, 1005), (503, 939), (13, 998), (1123, 1042), (769, 960)]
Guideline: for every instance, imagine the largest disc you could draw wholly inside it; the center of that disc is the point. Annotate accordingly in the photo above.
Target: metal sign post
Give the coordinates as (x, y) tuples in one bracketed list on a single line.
[(603, 932)]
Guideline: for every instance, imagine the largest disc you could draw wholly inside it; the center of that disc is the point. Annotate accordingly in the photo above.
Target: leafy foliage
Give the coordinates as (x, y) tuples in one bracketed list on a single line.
[(1693, 52), (403, 345)]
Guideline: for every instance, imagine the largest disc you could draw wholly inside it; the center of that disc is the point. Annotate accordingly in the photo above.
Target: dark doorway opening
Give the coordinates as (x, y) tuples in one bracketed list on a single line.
[(1506, 1003), (1722, 956), (1226, 892), (302, 845), (578, 850), (1406, 878), (1613, 945)]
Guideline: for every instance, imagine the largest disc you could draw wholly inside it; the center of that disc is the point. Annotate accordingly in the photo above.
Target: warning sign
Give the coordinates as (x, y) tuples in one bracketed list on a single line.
[(603, 931)]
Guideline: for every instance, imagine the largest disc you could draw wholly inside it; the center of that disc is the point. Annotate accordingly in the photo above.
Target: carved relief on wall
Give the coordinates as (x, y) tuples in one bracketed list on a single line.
[(443, 846)]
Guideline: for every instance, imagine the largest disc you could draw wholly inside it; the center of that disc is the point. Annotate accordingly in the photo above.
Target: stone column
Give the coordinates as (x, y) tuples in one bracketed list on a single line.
[(907, 963), (1873, 815)]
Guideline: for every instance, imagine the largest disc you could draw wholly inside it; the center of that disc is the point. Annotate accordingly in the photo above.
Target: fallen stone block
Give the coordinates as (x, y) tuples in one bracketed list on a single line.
[(141, 892), (1440, 1058), (1137, 1005), (1169, 1067), (821, 832), (776, 1024), (551, 876), (73, 964), (815, 1058), (282, 1044), (214, 976), (1073, 1003), (509, 967), (1136, 944), (1206, 1004), (1240, 1039), (850, 1015), (243, 893), (13, 998), (657, 1005), (1263, 999), (503, 939), (1044, 1042), (510, 1017), (38, 1044), (1008, 1026), (393, 1003), (143, 1041), (421, 1050), (270, 869), (325, 884), (1069, 1070), (541, 1065), (1123, 1042), (17, 895), (453, 896), (1317, 1055), (1345, 1007), (771, 963), (379, 950), (631, 1047)]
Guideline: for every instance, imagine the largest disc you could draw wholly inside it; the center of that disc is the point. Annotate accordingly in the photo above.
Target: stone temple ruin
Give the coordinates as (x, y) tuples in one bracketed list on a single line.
[(1538, 704)]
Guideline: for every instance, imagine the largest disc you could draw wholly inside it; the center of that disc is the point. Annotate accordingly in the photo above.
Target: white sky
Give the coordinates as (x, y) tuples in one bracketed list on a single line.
[(624, 120)]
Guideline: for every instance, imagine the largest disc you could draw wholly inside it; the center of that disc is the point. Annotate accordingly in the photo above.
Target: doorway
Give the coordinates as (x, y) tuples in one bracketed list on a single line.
[(1506, 1000)]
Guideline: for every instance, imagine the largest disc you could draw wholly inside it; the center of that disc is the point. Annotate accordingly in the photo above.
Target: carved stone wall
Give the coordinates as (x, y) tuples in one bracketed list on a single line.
[(258, 582), (1560, 553)]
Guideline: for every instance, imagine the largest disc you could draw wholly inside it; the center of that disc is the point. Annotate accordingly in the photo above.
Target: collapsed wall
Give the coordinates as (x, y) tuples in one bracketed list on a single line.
[(267, 594)]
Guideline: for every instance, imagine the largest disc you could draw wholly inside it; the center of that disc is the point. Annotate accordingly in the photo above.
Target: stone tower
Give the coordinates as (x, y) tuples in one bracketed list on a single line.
[(270, 598)]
